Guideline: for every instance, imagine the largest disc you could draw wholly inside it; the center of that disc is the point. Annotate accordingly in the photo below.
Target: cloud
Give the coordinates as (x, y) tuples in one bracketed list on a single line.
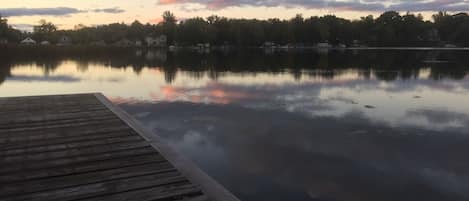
[(24, 27), (353, 5), (109, 10), (57, 11), (435, 5)]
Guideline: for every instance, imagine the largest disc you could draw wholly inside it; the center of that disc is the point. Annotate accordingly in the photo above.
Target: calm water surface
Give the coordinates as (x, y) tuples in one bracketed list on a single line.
[(337, 126)]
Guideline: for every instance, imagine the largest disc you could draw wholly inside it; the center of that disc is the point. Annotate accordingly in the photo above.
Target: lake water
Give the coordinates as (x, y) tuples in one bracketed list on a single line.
[(337, 126)]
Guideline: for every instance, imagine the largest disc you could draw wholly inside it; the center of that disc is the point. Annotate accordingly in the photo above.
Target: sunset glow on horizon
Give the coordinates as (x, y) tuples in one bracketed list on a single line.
[(66, 14)]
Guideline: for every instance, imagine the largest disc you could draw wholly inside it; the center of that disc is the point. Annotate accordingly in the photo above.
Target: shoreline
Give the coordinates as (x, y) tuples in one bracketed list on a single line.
[(215, 48)]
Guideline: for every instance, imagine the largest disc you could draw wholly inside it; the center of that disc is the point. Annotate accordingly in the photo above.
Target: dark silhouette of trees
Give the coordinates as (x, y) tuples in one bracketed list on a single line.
[(195, 30), (45, 31), (7, 32), (3, 27), (169, 26), (389, 29), (454, 28)]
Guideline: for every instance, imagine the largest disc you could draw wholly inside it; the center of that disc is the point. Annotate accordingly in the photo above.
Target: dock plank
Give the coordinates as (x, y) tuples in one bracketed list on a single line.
[(97, 159), (81, 147), (51, 134), (80, 168), (54, 183), (166, 180), (74, 152), (68, 145)]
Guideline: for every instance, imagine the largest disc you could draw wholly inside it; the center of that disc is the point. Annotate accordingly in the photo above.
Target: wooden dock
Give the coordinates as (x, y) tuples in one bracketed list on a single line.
[(82, 147)]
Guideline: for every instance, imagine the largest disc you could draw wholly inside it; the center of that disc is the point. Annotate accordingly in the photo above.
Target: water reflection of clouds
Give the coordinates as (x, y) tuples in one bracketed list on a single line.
[(112, 79), (442, 118), (392, 100), (49, 78), (340, 158), (212, 92)]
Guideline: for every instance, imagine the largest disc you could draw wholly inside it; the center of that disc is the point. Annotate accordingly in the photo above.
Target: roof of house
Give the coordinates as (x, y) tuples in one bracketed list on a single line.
[(28, 40)]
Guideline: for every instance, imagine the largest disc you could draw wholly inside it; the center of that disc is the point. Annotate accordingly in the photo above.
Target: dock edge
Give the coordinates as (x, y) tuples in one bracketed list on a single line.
[(209, 186)]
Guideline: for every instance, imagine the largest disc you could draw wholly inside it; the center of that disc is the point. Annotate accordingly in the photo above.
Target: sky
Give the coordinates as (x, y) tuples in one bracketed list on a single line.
[(23, 14)]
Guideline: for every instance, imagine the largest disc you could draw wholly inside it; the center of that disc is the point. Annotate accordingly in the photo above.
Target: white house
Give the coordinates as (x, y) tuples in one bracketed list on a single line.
[(45, 42), (323, 45), (156, 42), (138, 43), (268, 44), (124, 43), (28, 41), (450, 46)]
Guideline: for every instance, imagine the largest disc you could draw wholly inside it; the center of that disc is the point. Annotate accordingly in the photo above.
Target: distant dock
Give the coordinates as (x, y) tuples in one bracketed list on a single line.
[(82, 147)]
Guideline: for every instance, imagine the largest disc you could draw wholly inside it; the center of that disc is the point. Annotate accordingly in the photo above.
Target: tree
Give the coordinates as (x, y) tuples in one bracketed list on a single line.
[(136, 31), (452, 28), (169, 26), (45, 31), (195, 30), (3, 27), (298, 29), (79, 27), (9, 33), (363, 29), (45, 27)]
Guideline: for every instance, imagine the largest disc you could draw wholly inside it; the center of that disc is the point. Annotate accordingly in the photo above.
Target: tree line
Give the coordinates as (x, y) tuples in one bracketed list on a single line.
[(389, 29)]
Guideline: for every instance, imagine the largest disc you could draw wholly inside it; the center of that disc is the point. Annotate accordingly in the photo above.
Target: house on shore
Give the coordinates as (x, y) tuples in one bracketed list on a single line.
[(203, 46), (268, 44), (449, 45), (138, 43), (3, 41), (323, 45), (45, 42), (28, 41), (357, 43), (160, 41), (341, 46), (64, 41), (124, 43)]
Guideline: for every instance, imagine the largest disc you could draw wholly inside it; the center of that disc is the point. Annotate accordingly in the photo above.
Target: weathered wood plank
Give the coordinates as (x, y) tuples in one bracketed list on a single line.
[(55, 133), (68, 145), (31, 109), (54, 183), (31, 117), (45, 122), (80, 168), (66, 125), (74, 152), (80, 147), (180, 192), (105, 188), (57, 141), (95, 158)]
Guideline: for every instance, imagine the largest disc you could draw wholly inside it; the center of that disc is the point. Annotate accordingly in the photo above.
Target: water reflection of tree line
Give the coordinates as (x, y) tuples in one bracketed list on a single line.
[(384, 65)]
